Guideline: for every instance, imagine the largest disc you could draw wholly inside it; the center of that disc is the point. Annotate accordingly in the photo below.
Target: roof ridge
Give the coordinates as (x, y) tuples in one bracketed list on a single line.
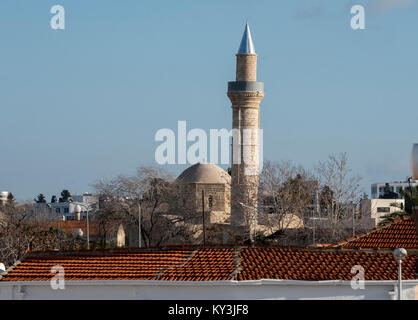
[(114, 250), (180, 264), (14, 265), (236, 259)]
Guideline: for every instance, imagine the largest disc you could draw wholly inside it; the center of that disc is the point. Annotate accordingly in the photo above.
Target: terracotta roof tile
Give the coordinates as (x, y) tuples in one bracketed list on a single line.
[(399, 234), (215, 263), (305, 264)]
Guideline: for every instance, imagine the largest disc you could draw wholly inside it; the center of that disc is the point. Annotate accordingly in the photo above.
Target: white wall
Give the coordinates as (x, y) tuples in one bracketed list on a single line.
[(211, 290), (369, 208)]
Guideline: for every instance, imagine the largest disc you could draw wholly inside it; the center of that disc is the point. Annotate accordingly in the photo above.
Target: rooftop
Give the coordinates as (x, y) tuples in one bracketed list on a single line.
[(204, 173), (188, 263), (399, 234)]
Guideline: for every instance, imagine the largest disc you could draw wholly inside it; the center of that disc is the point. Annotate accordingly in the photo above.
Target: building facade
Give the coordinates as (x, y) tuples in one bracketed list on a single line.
[(68, 210), (378, 189), (3, 196), (374, 210)]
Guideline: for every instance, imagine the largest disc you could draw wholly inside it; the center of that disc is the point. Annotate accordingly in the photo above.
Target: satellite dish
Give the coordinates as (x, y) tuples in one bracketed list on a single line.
[(414, 161), (2, 268)]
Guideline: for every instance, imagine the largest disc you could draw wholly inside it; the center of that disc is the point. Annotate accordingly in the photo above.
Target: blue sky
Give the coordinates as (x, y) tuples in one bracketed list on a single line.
[(84, 103)]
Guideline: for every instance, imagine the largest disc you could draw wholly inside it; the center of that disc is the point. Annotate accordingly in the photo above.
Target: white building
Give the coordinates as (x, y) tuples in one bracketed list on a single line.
[(67, 210), (3, 196), (378, 189), (374, 210), (213, 273), (270, 289)]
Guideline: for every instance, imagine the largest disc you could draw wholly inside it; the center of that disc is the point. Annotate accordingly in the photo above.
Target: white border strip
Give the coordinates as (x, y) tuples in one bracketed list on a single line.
[(210, 283)]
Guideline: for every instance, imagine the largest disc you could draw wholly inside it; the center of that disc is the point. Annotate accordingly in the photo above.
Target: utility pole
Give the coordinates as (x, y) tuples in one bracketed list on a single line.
[(87, 208), (139, 225), (255, 224), (88, 229), (203, 217), (59, 236), (354, 223)]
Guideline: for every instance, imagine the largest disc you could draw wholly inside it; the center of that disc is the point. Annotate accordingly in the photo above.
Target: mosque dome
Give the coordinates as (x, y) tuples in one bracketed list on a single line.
[(204, 173)]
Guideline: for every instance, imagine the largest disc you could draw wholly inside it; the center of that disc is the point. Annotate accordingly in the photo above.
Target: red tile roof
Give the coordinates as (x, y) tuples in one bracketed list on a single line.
[(85, 265), (399, 234), (283, 263), (203, 264), (215, 263)]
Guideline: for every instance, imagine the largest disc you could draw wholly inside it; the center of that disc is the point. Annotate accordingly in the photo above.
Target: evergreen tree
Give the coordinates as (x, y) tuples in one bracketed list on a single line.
[(65, 196), (40, 198), (10, 198)]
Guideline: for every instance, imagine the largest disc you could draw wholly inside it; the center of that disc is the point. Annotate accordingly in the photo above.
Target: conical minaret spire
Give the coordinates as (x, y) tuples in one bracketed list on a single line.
[(247, 45), (245, 94)]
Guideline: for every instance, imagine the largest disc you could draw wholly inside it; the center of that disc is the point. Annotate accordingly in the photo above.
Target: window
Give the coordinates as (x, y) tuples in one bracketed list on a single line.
[(66, 210), (381, 191), (57, 210), (210, 201), (383, 209)]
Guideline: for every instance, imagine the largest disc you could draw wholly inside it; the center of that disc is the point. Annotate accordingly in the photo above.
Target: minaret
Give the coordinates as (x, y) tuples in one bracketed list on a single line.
[(245, 94)]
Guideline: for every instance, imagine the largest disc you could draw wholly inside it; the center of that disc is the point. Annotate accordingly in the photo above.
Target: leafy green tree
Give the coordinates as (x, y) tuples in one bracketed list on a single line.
[(53, 199), (409, 200)]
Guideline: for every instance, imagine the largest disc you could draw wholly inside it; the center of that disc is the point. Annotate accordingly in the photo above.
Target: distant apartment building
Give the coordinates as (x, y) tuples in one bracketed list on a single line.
[(374, 210), (378, 189), (68, 210), (3, 196)]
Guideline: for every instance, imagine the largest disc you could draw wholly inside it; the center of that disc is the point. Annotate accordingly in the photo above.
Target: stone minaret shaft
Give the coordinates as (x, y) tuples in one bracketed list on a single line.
[(245, 94)]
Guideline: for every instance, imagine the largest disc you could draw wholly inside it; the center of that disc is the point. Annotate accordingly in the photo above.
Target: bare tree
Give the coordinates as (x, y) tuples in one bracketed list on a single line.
[(156, 193), (299, 207), (340, 190), (286, 195), (20, 231)]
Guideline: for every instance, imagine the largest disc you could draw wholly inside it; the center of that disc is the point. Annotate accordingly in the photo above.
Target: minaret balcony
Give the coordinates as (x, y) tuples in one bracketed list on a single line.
[(245, 86)]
